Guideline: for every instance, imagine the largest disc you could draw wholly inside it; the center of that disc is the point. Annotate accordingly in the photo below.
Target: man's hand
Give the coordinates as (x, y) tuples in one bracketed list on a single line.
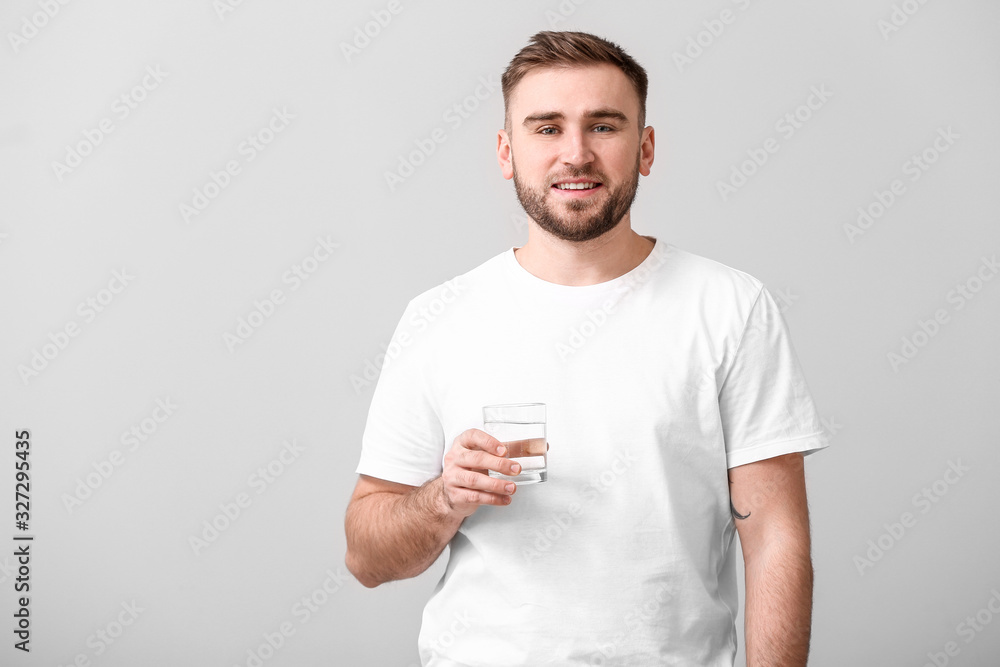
[(396, 531), (466, 484)]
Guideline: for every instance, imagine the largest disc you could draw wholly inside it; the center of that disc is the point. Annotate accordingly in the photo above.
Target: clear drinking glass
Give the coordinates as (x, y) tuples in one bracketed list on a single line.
[(521, 428)]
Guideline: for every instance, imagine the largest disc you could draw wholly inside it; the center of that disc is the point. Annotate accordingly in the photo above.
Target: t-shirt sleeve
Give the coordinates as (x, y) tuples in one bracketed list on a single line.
[(764, 403), (403, 440)]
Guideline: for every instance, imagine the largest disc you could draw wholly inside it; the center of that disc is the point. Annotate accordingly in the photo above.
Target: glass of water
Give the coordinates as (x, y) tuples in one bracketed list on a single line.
[(521, 428)]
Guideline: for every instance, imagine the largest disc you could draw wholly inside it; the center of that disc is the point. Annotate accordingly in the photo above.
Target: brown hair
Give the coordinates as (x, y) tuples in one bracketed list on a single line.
[(571, 49)]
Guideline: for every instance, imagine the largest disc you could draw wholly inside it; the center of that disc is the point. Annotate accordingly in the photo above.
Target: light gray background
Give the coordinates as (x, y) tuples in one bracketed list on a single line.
[(894, 430)]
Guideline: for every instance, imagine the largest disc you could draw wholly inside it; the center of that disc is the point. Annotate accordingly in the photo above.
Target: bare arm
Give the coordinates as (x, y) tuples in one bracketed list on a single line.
[(395, 531), (772, 519)]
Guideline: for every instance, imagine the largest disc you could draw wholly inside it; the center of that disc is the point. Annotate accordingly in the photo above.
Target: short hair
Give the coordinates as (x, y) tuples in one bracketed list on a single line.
[(571, 49)]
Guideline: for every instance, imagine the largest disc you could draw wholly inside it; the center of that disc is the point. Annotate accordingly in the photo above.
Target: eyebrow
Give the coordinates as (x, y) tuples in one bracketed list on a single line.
[(595, 114)]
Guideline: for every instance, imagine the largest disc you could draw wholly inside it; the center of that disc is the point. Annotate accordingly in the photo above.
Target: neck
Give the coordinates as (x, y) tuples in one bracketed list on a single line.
[(583, 263)]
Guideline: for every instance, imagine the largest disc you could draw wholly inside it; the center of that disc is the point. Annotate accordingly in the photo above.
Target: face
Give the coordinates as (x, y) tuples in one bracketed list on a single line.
[(577, 126)]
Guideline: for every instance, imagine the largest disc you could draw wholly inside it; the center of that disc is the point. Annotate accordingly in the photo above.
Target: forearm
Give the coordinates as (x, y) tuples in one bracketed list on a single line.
[(396, 536), (778, 614)]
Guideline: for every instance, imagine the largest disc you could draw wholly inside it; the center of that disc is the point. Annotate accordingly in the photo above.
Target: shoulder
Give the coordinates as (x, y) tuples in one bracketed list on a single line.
[(462, 298), (476, 280), (709, 279)]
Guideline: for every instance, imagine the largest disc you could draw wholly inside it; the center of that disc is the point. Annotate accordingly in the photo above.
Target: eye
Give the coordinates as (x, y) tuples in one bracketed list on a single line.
[(607, 127), (544, 130)]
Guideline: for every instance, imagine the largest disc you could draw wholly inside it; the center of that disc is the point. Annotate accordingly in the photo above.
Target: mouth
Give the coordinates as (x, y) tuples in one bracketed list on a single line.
[(577, 189)]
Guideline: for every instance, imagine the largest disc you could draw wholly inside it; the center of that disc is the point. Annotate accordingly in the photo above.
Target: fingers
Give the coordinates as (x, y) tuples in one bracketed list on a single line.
[(481, 440), (481, 462), (466, 482), (466, 489), (470, 497), (472, 480), (478, 450)]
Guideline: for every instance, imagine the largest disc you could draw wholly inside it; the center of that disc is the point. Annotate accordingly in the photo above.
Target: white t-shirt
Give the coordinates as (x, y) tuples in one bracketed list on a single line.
[(655, 382)]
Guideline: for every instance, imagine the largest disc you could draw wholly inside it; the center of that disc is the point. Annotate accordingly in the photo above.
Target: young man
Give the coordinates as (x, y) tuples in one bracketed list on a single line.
[(677, 415)]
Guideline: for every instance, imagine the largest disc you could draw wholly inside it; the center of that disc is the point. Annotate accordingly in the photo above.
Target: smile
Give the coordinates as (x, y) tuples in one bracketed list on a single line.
[(577, 190), (577, 186)]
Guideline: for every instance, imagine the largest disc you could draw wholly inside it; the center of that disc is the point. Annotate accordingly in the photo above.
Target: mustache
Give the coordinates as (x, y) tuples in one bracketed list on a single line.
[(584, 174)]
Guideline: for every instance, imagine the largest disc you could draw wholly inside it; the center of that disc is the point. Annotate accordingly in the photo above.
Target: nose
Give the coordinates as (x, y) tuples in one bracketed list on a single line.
[(576, 149)]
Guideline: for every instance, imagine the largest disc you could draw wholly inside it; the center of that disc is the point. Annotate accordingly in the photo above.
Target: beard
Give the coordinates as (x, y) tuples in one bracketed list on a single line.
[(584, 219)]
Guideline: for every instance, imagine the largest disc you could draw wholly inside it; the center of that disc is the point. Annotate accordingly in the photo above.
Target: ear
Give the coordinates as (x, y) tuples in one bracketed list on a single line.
[(504, 155), (646, 150)]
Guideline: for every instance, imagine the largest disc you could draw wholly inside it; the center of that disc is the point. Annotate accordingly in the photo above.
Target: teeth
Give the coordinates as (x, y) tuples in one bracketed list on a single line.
[(576, 186)]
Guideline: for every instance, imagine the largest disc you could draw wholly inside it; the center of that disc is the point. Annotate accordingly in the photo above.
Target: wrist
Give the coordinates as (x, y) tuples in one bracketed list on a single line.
[(441, 510)]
